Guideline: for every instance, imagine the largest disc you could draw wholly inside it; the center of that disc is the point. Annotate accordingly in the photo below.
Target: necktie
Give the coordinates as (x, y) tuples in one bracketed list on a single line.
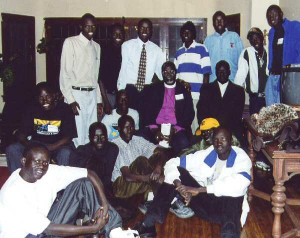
[(142, 70)]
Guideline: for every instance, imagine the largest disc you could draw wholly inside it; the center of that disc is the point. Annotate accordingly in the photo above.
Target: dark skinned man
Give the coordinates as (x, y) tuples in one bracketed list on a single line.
[(224, 101), (111, 59), (141, 61), (47, 121), (192, 63), (31, 193), (138, 168), (80, 61), (213, 182), (284, 50), (223, 45)]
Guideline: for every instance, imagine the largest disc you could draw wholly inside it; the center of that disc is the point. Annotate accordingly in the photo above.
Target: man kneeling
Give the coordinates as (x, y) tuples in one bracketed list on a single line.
[(213, 183), (30, 207)]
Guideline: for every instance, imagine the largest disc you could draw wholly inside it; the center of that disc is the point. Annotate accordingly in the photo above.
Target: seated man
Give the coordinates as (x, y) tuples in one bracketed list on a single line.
[(213, 182), (172, 104), (47, 121), (30, 207), (224, 101), (111, 121), (100, 156), (138, 168), (204, 137)]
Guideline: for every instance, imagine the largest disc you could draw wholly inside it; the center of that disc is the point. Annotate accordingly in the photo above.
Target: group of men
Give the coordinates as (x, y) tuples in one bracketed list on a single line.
[(152, 110)]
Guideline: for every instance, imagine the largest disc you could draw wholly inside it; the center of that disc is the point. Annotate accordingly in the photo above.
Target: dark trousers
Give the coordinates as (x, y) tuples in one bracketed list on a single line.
[(134, 96), (225, 211), (179, 140), (79, 197), (256, 103)]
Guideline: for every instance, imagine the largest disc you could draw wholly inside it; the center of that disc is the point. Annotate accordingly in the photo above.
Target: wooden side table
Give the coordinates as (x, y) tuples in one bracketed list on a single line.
[(285, 166)]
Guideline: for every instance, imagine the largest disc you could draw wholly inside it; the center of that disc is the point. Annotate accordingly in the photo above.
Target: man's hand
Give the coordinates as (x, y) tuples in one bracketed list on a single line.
[(75, 106), (156, 173), (159, 137), (100, 109), (186, 85), (107, 108), (182, 189), (100, 220)]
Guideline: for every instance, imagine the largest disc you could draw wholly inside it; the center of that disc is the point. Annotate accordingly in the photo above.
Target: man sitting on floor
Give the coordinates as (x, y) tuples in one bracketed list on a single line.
[(49, 122), (100, 155), (139, 164), (172, 104), (30, 207), (213, 182), (111, 121)]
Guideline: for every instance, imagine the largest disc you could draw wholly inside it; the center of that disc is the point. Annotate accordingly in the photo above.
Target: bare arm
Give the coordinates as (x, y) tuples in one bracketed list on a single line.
[(130, 177), (107, 106)]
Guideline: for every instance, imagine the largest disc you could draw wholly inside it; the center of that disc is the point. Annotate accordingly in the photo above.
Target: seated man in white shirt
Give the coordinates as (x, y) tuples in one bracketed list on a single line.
[(213, 182), (30, 207), (111, 121), (138, 168)]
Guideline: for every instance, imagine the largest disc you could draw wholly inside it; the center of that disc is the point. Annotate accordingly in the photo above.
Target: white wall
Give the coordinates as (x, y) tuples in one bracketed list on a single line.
[(290, 9), (134, 8)]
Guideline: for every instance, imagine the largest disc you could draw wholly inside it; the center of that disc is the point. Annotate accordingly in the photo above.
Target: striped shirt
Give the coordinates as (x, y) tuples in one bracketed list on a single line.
[(192, 64)]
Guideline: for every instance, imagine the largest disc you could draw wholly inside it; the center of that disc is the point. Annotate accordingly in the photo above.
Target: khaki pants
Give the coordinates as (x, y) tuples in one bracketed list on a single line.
[(141, 166)]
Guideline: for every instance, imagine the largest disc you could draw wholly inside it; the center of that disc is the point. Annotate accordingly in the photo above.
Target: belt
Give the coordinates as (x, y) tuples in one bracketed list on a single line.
[(259, 95), (83, 88)]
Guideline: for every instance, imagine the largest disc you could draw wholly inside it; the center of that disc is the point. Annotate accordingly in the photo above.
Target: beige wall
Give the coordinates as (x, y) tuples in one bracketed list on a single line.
[(135, 8), (290, 9)]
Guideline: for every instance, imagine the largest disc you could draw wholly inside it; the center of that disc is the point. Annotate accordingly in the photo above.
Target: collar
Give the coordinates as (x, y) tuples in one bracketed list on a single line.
[(193, 45), (251, 48), (84, 40), (141, 43), (211, 158), (224, 85), (226, 30), (170, 86)]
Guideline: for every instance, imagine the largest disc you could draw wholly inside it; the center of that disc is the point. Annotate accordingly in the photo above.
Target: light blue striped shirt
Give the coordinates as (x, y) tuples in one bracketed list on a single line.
[(228, 47), (192, 64)]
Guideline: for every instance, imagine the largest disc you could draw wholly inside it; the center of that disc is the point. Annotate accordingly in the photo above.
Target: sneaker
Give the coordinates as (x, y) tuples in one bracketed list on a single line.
[(262, 165), (143, 207), (180, 210), (145, 232)]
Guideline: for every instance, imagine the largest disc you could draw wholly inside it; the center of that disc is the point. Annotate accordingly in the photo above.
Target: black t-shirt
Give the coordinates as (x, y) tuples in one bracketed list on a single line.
[(277, 50), (49, 126), (110, 66), (101, 161)]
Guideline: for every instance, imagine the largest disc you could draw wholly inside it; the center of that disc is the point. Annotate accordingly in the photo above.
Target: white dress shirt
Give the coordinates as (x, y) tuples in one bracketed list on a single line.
[(131, 54), (80, 62), (223, 88)]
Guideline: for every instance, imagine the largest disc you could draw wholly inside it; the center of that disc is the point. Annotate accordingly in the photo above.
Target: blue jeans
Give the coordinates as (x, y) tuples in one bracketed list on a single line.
[(14, 153), (273, 90)]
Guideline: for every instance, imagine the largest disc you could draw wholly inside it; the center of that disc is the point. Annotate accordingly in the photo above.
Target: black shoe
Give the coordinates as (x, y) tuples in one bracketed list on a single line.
[(146, 232), (143, 207)]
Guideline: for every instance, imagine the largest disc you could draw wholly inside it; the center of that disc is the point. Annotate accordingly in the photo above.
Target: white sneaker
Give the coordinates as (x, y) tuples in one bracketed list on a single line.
[(262, 165), (181, 210)]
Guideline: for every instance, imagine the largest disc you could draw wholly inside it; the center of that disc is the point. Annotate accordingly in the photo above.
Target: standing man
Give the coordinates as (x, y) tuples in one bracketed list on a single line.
[(141, 60), (111, 59), (252, 73), (284, 50), (223, 45), (80, 61), (192, 63)]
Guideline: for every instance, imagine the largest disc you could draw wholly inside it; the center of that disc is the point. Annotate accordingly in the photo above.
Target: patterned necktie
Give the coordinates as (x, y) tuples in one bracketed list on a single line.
[(142, 70)]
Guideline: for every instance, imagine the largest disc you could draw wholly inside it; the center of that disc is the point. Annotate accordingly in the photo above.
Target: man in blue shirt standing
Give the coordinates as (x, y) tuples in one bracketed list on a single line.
[(284, 49), (223, 45)]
